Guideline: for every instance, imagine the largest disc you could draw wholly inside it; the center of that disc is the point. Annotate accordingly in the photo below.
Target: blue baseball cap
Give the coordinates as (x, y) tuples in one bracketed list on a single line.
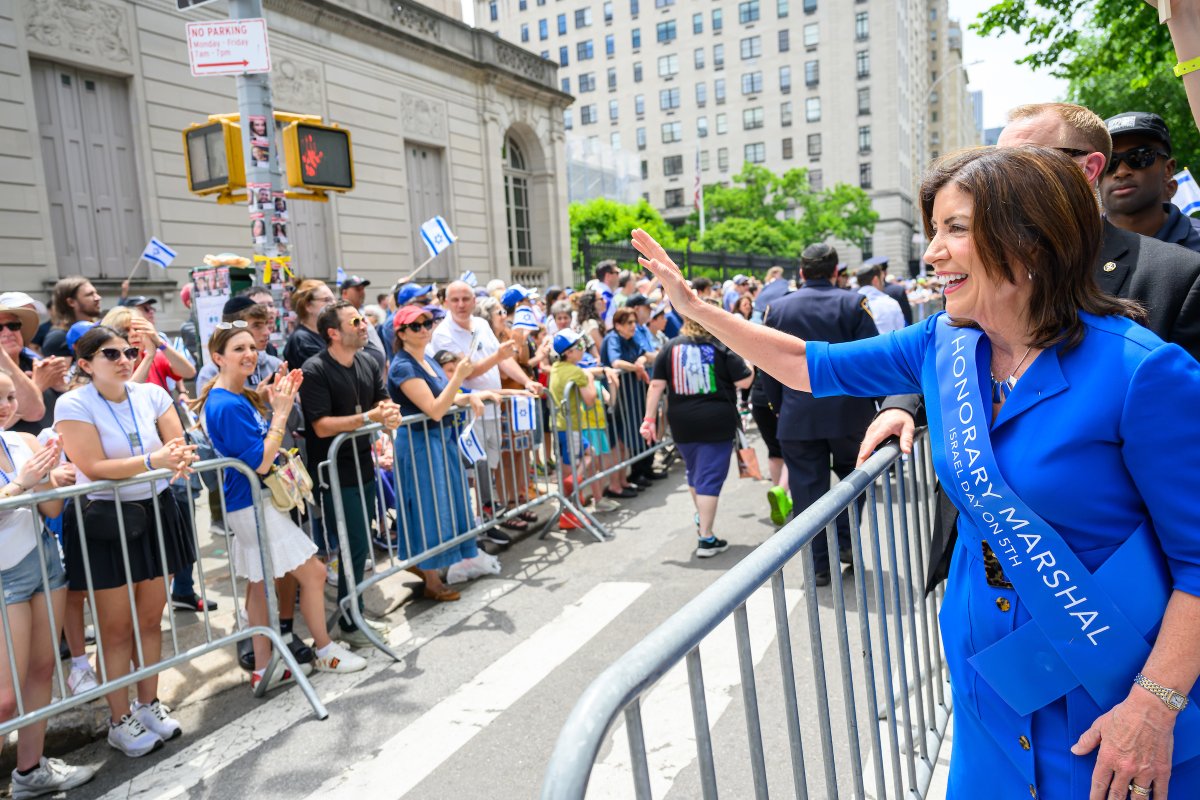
[(565, 340), (76, 331), (411, 291), (515, 294)]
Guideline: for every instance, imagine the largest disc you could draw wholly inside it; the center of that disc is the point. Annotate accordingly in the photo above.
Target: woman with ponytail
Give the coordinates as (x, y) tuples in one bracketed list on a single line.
[(309, 298)]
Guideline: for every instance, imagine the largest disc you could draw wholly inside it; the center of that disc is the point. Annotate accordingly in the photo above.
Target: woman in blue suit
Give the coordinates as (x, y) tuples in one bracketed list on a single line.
[(1065, 434)]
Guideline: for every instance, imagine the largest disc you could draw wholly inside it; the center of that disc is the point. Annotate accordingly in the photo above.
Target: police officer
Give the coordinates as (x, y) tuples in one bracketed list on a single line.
[(893, 290), (812, 431)]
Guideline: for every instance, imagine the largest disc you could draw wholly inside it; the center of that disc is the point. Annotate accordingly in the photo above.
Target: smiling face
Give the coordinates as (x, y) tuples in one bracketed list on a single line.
[(240, 356), (8, 401), (11, 341), (419, 338), (562, 321)]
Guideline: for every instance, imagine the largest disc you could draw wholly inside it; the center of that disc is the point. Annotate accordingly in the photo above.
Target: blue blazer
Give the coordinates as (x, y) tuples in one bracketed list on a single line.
[(1096, 440)]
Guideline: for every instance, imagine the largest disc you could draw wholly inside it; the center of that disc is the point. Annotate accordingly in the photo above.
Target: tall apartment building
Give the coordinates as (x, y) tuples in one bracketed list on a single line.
[(838, 86)]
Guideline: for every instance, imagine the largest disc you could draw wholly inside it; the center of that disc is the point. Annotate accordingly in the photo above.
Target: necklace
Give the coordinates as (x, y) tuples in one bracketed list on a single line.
[(1002, 388)]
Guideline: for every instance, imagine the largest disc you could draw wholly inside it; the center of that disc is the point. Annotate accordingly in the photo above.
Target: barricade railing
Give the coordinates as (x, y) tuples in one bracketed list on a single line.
[(214, 639), (895, 636)]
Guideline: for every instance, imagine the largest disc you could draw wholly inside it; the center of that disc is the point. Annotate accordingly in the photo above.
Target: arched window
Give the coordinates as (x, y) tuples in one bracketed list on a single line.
[(516, 201)]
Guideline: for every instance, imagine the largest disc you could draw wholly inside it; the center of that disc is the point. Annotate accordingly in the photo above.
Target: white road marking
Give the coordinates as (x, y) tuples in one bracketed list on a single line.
[(201, 760), (439, 733), (667, 710)]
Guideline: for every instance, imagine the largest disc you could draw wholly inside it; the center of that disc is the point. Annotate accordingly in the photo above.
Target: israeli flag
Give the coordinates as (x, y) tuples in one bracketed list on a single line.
[(437, 235), (469, 279), (469, 445), (524, 413), (524, 317), (1187, 198), (159, 253), (341, 276)]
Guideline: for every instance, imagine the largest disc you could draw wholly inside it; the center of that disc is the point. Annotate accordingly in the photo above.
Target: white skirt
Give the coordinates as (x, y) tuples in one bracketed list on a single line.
[(289, 545)]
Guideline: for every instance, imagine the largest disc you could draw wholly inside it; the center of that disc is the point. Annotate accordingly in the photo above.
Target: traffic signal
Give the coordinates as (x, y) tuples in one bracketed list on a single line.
[(214, 157), (319, 157)]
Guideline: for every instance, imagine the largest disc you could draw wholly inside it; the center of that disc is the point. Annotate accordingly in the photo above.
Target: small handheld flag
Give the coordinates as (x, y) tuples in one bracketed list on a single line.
[(1187, 198), (469, 445), (437, 236), (469, 279), (159, 253)]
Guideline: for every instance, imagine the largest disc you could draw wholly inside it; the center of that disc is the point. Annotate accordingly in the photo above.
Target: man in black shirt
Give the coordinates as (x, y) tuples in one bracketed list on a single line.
[(343, 390)]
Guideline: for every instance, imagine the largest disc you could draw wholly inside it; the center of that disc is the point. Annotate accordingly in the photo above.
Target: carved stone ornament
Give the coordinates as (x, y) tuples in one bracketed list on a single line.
[(411, 17), (423, 118), (520, 61), (85, 27), (296, 86)]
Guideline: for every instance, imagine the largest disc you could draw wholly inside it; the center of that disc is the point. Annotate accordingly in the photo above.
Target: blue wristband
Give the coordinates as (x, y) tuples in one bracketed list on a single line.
[(149, 466)]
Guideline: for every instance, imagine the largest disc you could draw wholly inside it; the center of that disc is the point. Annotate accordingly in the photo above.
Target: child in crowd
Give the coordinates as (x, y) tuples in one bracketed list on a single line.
[(582, 434)]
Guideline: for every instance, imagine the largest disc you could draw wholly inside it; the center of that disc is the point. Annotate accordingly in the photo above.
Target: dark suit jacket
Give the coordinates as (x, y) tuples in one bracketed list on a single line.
[(819, 311), (896, 292)]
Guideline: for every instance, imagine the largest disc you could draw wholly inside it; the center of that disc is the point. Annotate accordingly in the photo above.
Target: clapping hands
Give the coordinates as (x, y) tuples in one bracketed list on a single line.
[(176, 455)]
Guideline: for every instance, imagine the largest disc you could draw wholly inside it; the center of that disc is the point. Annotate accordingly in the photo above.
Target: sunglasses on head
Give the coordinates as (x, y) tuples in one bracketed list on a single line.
[(1138, 158), (416, 326), (237, 324), (1072, 152), (12, 326), (114, 353)]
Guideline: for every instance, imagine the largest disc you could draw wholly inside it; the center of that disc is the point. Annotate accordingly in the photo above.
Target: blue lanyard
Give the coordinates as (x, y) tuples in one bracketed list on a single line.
[(135, 438), (11, 460)]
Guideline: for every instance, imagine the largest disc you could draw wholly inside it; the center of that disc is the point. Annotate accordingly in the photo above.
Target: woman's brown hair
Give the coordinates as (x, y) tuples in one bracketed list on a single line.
[(302, 297), (693, 328), (216, 344), (1034, 211)]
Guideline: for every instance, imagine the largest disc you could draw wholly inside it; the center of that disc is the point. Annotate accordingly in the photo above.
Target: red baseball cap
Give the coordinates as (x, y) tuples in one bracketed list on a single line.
[(408, 314)]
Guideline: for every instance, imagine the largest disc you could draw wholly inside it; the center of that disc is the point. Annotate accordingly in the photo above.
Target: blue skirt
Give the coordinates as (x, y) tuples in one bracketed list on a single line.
[(433, 503)]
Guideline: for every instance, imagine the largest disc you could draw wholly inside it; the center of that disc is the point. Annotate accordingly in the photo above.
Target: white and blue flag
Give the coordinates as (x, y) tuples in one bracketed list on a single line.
[(437, 236), (1187, 198), (524, 414), (159, 253), (469, 445), (341, 276), (469, 279)]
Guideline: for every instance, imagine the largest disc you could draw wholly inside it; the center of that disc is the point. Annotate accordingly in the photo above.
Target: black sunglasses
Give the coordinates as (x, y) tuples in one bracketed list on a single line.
[(1138, 158), (1072, 152), (114, 353), (416, 326), (12, 326)]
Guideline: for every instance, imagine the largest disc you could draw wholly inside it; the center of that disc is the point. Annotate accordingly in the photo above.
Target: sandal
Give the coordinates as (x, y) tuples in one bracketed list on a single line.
[(528, 516), (515, 524), (443, 595)]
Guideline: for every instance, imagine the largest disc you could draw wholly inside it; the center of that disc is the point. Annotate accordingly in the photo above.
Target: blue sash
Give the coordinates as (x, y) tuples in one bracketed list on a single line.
[(1079, 636)]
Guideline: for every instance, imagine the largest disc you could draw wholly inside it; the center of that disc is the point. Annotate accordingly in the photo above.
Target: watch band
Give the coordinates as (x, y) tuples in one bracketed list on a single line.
[(366, 419), (1171, 698)]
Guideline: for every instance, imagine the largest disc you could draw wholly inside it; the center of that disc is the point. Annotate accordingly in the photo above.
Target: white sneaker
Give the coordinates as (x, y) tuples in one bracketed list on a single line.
[(51, 776), (82, 680), (281, 677), (604, 504), (132, 738), (155, 717), (339, 659), (331, 576)]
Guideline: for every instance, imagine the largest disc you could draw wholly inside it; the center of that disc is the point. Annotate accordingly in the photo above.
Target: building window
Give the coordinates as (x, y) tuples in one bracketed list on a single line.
[(524, 31), (787, 148), (785, 114), (608, 11), (640, 135), (862, 63), (672, 165), (868, 247), (812, 109), (864, 100), (584, 50), (933, 55), (864, 139), (718, 56), (814, 145), (614, 140), (697, 23), (719, 90), (703, 160), (637, 72), (785, 41), (672, 132), (756, 153), (723, 159), (698, 58), (751, 47), (562, 56), (587, 82), (864, 176), (702, 127), (811, 34), (493, 11), (810, 6), (812, 73), (781, 8), (665, 31), (516, 201), (933, 116), (633, 8), (701, 95), (673, 198), (785, 79), (612, 79), (523, 5), (668, 99), (636, 38), (562, 24), (639, 104), (748, 12), (566, 85), (546, 55), (752, 118), (568, 123), (613, 110), (645, 170), (610, 45), (587, 114), (583, 18), (663, 3), (668, 66), (752, 83), (816, 180), (718, 20), (862, 26), (722, 124)]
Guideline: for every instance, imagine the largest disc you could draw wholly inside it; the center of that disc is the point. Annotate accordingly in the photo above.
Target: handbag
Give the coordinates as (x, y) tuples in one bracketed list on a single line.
[(101, 524), (289, 482), (747, 457)]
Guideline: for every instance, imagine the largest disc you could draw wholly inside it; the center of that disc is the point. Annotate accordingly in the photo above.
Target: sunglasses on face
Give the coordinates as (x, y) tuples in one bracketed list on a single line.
[(114, 353), (1137, 158), (1072, 152), (12, 326), (416, 326), (357, 321), (237, 324)]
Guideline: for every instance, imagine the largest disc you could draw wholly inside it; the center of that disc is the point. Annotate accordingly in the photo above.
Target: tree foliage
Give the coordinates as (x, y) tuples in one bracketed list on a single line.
[(1113, 53), (606, 221)]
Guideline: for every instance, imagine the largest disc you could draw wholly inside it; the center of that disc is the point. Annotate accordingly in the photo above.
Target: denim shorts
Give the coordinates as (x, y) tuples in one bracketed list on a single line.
[(24, 580)]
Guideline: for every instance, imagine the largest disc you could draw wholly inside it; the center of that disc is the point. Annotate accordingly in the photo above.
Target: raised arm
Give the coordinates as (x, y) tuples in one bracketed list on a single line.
[(776, 353)]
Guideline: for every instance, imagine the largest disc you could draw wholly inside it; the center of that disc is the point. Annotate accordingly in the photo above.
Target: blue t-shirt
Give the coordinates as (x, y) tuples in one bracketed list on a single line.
[(237, 430), (616, 349), (404, 368)]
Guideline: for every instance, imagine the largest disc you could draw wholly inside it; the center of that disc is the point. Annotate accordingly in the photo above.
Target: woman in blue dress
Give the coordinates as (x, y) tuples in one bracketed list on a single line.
[(1097, 525), (432, 487)]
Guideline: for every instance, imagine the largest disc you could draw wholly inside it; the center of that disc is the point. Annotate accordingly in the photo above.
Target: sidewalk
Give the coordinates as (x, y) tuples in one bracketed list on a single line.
[(941, 770)]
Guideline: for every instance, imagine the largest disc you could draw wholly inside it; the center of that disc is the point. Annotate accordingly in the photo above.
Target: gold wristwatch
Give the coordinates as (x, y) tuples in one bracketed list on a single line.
[(1171, 698)]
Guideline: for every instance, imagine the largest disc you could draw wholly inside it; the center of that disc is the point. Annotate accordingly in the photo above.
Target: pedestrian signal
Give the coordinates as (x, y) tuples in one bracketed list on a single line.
[(214, 157), (319, 157)]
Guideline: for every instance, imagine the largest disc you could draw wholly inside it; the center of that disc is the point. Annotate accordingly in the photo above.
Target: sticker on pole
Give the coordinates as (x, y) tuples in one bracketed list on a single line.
[(228, 47)]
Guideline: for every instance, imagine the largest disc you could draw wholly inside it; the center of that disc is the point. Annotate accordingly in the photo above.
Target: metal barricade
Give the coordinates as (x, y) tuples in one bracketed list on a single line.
[(897, 640), (214, 639)]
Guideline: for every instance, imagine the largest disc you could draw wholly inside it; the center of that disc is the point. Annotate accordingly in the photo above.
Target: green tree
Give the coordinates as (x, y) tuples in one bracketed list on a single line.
[(1113, 53), (602, 220)]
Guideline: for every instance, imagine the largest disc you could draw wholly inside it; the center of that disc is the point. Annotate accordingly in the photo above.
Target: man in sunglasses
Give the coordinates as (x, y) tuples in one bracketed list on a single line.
[(1139, 182)]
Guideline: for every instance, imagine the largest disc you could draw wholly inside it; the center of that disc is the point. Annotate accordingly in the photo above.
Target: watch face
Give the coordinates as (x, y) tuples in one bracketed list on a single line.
[(1176, 701)]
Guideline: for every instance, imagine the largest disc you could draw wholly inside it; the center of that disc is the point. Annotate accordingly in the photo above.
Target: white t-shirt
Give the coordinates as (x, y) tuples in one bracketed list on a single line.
[(885, 310), (18, 527), (115, 424), (449, 335)]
